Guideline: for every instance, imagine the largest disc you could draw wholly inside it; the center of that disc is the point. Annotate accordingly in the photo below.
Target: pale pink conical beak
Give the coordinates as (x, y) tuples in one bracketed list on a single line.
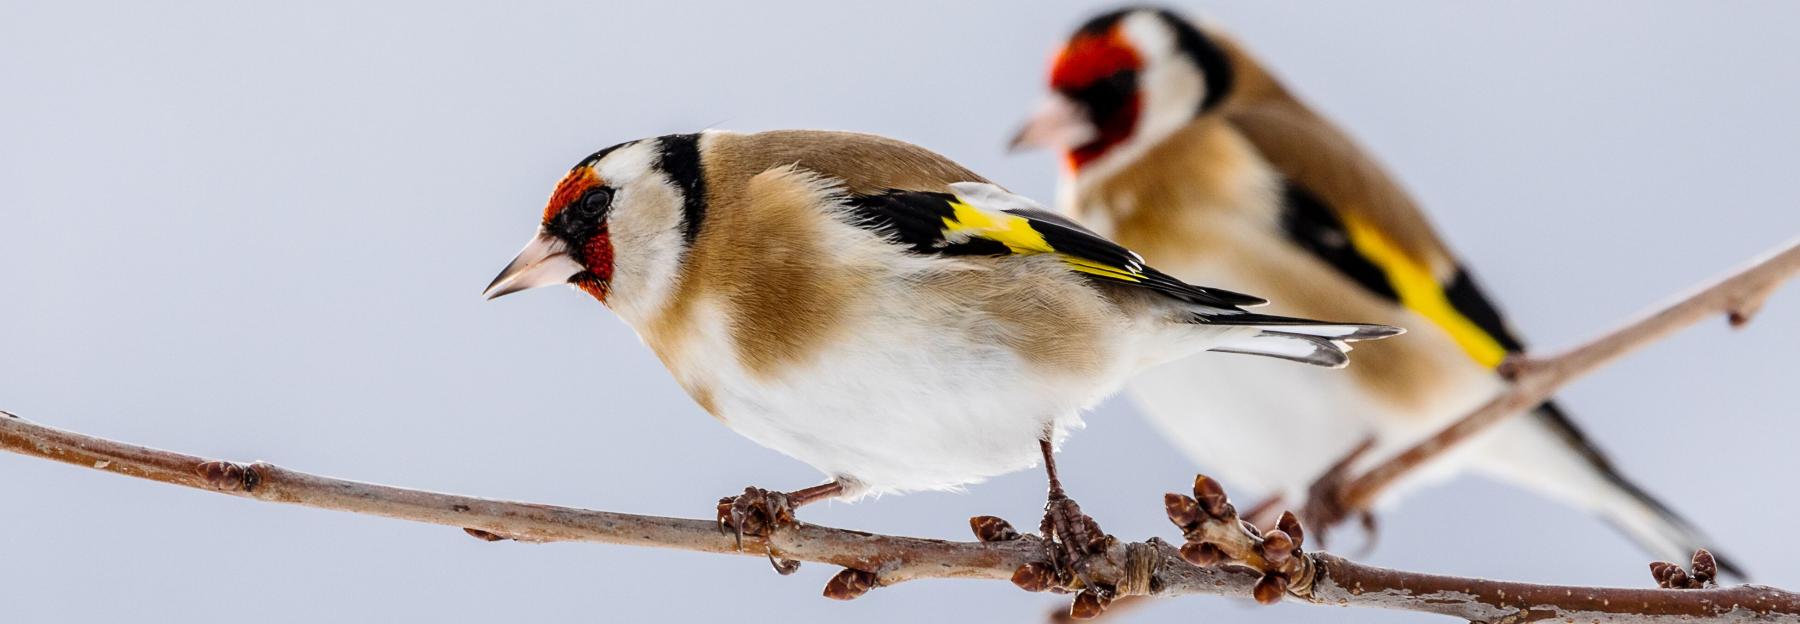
[(545, 261), (1057, 124)]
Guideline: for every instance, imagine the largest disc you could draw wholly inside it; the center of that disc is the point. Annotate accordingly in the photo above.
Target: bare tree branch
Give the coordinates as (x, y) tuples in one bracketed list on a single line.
[(1224, 555), (1150, 568), (1739, 295)]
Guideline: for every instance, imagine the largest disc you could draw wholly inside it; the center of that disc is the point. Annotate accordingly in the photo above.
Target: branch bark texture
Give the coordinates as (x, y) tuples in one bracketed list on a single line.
[(1150, 568), (1738, 296)]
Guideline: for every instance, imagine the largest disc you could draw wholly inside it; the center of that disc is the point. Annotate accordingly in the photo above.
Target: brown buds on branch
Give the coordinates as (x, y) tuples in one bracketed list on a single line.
[(850, 583), (1151, 568), (1671, 576), (486, 536), (993, 529), (1217, 536), (226, 476)]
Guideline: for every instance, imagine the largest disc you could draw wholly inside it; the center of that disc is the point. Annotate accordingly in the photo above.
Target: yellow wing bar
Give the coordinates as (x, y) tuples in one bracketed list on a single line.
[(1421, 292), (1017, 233), (1011, 230)]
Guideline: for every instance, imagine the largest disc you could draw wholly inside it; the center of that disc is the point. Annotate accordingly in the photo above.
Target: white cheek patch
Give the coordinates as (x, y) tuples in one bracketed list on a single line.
[(644, 224), (1173, 90), (1171, 85), (646, 229)]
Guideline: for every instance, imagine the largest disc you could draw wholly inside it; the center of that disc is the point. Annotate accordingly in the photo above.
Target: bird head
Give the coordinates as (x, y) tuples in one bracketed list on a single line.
[(1123, 82), (615, 224)]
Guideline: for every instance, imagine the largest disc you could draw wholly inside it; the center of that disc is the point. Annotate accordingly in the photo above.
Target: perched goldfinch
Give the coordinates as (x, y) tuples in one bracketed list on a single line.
[(875, 310), (1180, 145)]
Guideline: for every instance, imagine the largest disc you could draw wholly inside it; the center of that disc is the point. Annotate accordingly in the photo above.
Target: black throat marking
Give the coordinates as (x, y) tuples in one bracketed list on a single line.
[(1214, 66), (680, 160)]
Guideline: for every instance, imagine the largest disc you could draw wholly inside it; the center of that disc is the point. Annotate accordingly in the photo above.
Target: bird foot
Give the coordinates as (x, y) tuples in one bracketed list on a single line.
[(1325, 506), (1074, 542), (758, 513)]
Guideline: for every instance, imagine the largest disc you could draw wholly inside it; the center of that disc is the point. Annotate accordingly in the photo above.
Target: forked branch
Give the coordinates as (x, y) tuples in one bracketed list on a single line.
[(1738, 296)]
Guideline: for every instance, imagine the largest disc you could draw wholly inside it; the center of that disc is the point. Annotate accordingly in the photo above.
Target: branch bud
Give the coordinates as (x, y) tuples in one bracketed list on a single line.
[(992, 529), (486, 536), (227, 476), (1660, 571), (1271, 588), (1706, 568), (1034, 577), (1183, 511), (1088, 605), (1678, 578), (1277, 547), (849, 584), (1290, 524), (1211, 496)]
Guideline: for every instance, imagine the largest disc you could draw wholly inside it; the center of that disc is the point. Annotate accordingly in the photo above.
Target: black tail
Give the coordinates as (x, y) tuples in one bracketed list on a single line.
[(1652, 524)]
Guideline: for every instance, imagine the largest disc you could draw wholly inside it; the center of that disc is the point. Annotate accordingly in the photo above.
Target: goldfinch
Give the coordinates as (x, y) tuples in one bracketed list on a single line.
[(1180, 145), (875, 310)]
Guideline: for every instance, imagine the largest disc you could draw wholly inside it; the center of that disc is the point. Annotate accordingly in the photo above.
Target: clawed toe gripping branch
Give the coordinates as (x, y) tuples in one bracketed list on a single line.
[(758, 512), (1098, 571), (1222, 555)]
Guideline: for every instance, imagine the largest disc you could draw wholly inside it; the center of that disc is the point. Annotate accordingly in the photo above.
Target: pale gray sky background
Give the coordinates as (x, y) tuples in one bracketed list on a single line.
[(259, 231)]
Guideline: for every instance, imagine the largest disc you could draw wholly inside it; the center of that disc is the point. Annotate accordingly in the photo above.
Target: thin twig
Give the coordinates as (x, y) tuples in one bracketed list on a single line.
[(1143, 568), (1739, 296)]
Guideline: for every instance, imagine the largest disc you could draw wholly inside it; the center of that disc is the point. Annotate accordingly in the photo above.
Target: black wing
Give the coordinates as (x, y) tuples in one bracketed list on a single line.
[(943, 224), (1457, 305)]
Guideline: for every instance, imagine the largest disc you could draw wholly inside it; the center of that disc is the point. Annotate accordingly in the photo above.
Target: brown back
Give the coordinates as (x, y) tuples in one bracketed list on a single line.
[(863, 163)]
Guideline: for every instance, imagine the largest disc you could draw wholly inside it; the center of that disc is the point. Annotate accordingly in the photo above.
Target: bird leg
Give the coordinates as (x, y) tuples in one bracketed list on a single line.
[(1072, 538), (759, 513), (1325, 506)]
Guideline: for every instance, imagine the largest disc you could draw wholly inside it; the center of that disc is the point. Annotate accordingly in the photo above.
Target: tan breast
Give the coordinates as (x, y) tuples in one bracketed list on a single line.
[(761, 261), (1208, 170)]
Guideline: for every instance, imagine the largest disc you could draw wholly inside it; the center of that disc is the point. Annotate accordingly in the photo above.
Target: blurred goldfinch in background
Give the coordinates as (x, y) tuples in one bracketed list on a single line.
[(1179, 144)]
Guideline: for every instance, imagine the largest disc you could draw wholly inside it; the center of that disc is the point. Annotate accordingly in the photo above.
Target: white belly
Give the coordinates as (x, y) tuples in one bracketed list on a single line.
[(1277, 425), (907, 415), (910, 409), (907, 399), (1244, 419)]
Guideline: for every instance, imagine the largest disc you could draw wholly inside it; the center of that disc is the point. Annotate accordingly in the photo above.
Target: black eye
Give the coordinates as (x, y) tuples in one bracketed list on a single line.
[(595, 202)]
